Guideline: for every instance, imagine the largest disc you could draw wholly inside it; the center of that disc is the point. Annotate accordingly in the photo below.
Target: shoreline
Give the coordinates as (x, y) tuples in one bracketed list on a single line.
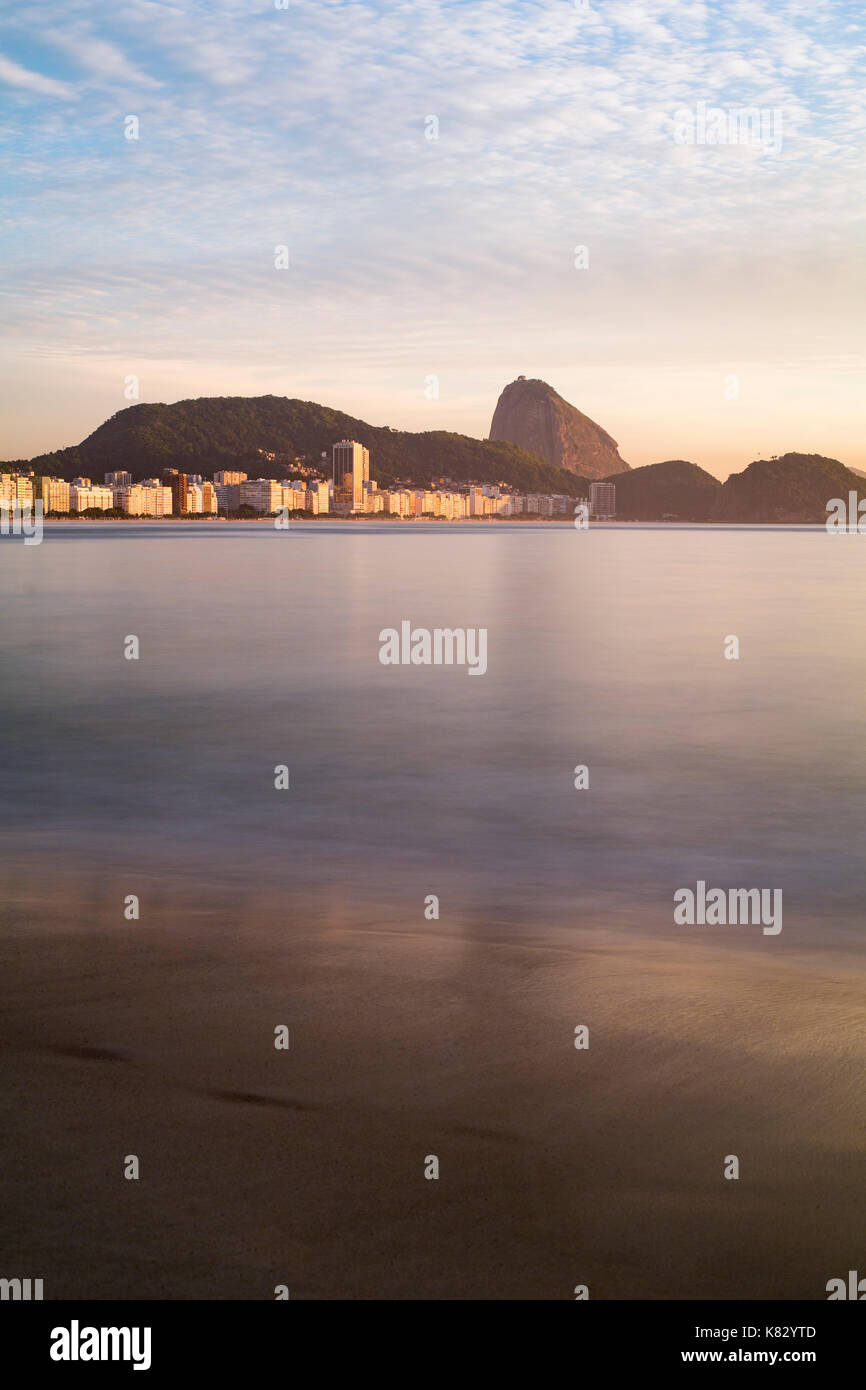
[(555, 523)]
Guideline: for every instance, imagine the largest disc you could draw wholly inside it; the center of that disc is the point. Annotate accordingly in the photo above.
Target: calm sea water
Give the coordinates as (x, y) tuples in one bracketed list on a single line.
[(305, 908), (605, 648)]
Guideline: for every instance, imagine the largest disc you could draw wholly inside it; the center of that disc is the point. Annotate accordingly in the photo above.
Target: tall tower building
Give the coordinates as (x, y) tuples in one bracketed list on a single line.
[(351, 472), (179, 485)]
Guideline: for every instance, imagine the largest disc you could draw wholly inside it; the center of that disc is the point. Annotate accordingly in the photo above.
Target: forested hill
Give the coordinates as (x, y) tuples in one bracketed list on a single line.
[(219, 432), (793, 488), (675, 488)]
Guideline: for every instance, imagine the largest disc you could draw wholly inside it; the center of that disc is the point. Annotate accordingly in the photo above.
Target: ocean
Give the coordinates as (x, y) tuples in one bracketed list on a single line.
[(432, 908)]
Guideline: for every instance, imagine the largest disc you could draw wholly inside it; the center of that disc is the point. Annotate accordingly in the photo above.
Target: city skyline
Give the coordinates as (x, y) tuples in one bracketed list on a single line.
[(232, 493), (486, 190)]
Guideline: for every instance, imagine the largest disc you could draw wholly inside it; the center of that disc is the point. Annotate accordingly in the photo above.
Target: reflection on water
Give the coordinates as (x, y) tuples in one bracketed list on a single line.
[(304, 908), (605, 648)]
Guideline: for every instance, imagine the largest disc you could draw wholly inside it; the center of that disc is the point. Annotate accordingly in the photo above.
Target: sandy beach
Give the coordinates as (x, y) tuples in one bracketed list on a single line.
[(557, 1166)]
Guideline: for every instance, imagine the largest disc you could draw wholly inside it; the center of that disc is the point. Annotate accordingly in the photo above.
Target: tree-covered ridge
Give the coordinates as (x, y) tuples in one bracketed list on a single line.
[(219, 432), (795, 487), (676, 489)]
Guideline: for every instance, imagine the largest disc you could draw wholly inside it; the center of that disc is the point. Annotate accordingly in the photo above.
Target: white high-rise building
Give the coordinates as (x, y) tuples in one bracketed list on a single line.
[(262, 494), (58, 495), (82, 496), (293, 496), (318, 498), (144, 499), (602, 501)]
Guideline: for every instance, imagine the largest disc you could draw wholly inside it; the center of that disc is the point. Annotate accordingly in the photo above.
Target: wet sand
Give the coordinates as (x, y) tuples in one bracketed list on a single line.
[(409, 1038)]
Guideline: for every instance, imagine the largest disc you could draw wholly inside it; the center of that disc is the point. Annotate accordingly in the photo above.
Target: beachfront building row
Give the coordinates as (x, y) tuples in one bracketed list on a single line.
[(149, 498), (268, 495), (174, 494), (192, 495), (355, 493), (452, 505), (351, 492)]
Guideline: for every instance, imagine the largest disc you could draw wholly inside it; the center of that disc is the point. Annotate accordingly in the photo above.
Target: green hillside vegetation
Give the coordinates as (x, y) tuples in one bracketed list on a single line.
[(793, 488), (222, 432), (676, 489)]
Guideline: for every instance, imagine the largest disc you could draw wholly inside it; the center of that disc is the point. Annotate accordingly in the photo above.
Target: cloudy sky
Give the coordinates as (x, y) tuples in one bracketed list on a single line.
[(720, 315)]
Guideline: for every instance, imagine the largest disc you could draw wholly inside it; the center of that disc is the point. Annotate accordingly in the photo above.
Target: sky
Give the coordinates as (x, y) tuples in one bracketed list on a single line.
[(433, 170)]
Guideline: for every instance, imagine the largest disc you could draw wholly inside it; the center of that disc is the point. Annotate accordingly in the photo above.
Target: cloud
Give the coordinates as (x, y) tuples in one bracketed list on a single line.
[(556, 127), (101, 59), (16, 76)]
